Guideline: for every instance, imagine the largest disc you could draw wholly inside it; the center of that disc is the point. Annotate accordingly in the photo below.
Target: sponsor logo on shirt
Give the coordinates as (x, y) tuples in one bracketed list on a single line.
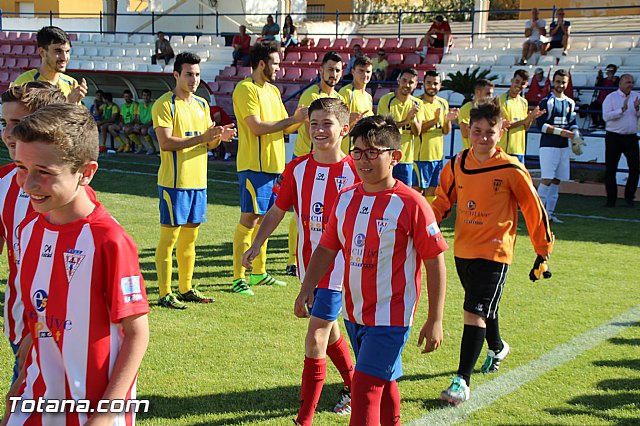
[(40, 300), (47, 252), (321, 176), (131, 289), (72, 260), (433, 229), (364, 210), (23, 194), (471, 205), (340, 182), (359, 240), (46, 325)]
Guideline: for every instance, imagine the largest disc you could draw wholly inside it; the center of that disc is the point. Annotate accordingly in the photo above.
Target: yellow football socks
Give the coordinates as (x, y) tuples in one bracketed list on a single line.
[(293, 241), (186, 256), (164, 257), (430, 198), (260, 262), (241, 243)]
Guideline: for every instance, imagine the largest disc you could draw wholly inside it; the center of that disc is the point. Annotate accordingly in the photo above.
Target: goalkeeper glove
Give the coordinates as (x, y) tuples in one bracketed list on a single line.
[(577, 143), (540, 267)]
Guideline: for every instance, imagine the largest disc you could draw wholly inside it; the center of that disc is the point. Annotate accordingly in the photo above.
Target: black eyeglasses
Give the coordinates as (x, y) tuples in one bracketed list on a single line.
[(371, 153)]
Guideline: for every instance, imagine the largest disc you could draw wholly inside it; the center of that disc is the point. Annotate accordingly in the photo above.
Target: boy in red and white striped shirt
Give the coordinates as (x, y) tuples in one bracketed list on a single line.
[(310, 184), (385, 231), (85, 305), (17, 102)]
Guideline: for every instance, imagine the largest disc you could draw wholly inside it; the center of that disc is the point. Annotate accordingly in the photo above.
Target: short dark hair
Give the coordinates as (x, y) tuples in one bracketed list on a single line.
[(482, 83), (108, 96), (411, 71), (362, 61), (614, 66), (378, 131), (127, 92), (146, 91), (561, 72), (69, 127), (431, 73), (261, 51), (332, 106), (331, 56), (99, 92), (51, 35), (185, 58), (487, 109), (34, 95), (523, 74)]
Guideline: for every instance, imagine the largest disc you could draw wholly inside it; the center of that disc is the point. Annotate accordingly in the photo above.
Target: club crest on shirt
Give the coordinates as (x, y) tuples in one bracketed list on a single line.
[(340, 182), (72, 260), (382, 225), (497, 183)]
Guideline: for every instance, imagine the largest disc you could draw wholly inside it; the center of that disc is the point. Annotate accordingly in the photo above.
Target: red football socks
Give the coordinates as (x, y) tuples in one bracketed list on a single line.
[(390, 406), (341, 358), (313, 375), (366, 396)]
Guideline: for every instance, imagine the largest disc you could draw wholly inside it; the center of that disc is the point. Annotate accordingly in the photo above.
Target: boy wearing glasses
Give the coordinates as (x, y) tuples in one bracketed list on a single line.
[(385, 231), (310, 184)]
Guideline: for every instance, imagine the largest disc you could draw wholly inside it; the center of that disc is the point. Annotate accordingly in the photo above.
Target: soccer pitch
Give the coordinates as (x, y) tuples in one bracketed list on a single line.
[(575, 338)]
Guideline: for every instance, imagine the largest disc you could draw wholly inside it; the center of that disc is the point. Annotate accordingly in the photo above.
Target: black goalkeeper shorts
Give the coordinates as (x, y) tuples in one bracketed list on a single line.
[(483, 281)]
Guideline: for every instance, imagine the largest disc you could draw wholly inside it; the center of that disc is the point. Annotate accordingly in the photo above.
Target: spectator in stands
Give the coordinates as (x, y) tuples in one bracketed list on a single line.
[(130, 118), (163, 50), (271, 30), (482, 89), (357, 53), (380, 66), (110, 113), (145, 128), (221, 118), (438, 35), (289, 33), (610, 80), (241, 46), (97, 103), (533, 29), (621, 112), (54, 48), (559, 32), (539, 87)]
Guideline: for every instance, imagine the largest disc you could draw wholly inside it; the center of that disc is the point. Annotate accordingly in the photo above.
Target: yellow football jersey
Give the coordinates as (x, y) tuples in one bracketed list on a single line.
[(429, 146), (389, 104), (65, 83), (303, 141), (357, 101), (263, 153), (463, 117), (185, 168), (513, 141)]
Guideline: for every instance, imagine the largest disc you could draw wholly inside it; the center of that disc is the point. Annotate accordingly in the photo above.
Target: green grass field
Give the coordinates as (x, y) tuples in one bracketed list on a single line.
[(239, 360)]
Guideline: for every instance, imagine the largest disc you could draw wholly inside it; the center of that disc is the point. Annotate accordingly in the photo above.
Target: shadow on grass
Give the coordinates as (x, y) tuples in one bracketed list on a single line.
[(236, 407)]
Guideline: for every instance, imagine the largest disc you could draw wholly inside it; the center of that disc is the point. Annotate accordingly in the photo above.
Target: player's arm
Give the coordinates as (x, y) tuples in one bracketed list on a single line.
[(431, 333), (212, 136), (134, 345), (550, 129), (269, 223), (287, 125), (534, 213), (321, 260), (446, 193)]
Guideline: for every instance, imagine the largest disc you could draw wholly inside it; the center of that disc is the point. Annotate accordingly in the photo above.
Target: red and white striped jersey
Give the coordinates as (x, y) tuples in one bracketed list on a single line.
[(15, 206), (311, 188), (384, 237), (78, 282)]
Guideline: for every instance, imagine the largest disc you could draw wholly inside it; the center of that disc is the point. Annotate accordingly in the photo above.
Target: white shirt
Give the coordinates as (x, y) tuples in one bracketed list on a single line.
[(535, 32), (624, 123)]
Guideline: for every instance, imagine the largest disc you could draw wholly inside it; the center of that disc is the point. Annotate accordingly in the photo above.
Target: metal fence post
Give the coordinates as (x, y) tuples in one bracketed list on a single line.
[(153, 22), (217, 23), (101, 17), (473, 25), (51, 18), (337, 22), (399, 22)]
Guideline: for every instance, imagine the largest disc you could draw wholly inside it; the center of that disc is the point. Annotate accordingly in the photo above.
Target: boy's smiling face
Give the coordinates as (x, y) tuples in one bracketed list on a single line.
[(49, 182), (12, 113), (325, 130), (375, 171), (484, 137)]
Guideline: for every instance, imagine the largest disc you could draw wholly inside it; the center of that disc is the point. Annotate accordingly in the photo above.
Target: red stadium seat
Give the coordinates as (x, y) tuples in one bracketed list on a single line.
[(17, 49), (412, 59), (10, 63), (214, 86), (14, 74), (340, 44), (308, 57), (431, 59), (280, 74), (391, 43), (5, 49), (22, 63), (244, 72), (380, 93), (4, 76), (356, 40), (372, 44), (323, 43), (29, 50), (308, 74), (226, 87), (12, 36), (394, 58), (292, 57), (293, 73), (229, 72), (1, 65)]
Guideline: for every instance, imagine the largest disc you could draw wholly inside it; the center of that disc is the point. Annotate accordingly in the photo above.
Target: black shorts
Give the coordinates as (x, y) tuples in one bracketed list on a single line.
[(438, 43), (483, 281), (555, 44)]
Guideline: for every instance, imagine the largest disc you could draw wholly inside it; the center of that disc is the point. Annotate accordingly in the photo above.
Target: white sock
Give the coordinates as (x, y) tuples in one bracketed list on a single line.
[(543, 193), (424, 50), (553, 199)]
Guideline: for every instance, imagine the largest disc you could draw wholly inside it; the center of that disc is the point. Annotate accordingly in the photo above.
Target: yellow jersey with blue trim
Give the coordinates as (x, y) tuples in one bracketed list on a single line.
[(185, 168), (429, 146), (389, 104), (264, 153), (464, 115), (357, 101), (303, 141), (513, 141), (65, 83)]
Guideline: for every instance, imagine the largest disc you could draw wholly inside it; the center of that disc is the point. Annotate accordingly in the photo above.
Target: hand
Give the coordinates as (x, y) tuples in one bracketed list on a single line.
[(453, 114), (432, 335), (506, 124), (625, 105), (567, 134), (354, 117), (536, 113), (636, 103), (413, 112), (249, 255), (301, 114), (436, 115), (78, 93), (303, 303), (228, 132)]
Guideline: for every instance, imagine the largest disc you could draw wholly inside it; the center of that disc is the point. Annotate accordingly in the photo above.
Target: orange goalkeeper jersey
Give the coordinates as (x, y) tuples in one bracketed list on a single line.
[(487, 195)]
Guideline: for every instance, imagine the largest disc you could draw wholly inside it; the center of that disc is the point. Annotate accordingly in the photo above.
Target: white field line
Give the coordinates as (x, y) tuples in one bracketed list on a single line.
[(133, 172), (486, 394), (613, 219)]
